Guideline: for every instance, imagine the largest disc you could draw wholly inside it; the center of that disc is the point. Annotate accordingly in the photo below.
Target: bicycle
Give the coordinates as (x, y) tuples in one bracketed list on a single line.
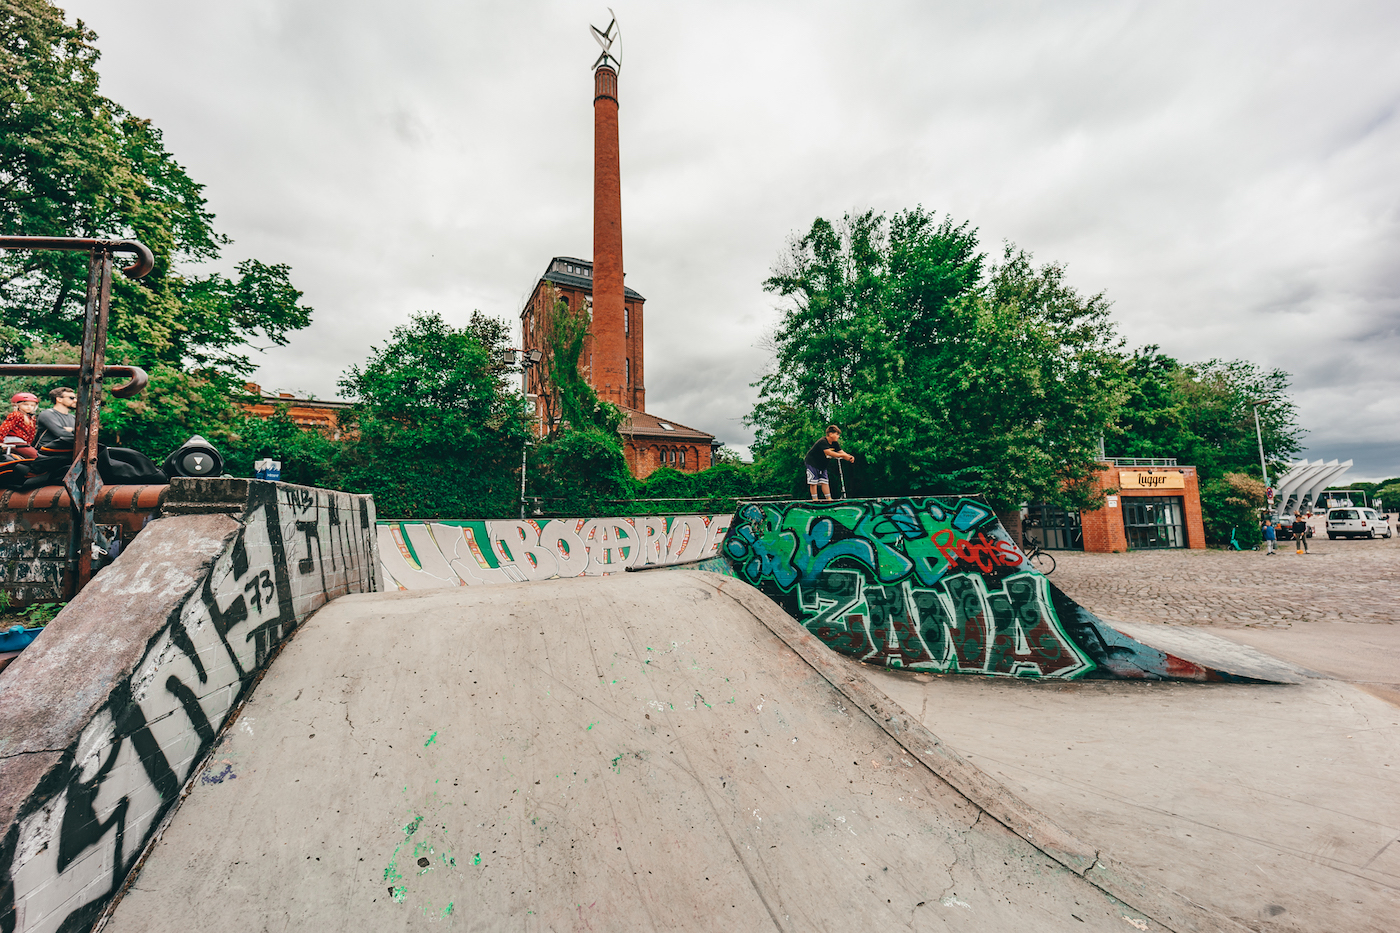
[(1043, 561)]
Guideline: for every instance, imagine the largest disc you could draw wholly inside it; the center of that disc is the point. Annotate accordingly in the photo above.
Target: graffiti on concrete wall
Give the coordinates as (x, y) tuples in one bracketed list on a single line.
[(77, 836), (923, 584), (419, 555)]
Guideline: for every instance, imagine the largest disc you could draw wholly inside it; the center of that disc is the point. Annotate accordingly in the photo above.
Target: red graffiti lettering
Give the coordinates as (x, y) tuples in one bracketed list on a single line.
[(984, 554)]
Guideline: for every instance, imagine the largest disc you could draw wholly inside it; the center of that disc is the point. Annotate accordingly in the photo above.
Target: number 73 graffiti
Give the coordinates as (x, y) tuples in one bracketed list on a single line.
[(255, 588)]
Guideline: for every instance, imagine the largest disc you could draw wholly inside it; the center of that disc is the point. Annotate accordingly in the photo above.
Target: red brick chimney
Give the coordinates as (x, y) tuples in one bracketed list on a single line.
[(609, 338)]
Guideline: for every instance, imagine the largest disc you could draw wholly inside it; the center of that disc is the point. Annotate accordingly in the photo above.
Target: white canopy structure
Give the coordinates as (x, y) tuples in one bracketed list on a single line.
[(1299, 486)]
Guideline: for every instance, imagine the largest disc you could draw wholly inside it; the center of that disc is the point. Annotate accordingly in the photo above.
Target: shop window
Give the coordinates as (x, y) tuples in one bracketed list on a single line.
[(1152, 522), (1053, 528)]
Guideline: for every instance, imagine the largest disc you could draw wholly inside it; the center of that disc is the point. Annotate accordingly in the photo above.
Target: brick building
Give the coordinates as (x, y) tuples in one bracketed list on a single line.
[(308, 413), (613, 358), (571, 281), (1157, 505)]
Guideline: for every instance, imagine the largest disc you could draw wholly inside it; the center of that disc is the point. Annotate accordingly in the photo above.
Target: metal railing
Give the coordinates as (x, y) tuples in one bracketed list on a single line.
[(1141, 461), (82, 480)]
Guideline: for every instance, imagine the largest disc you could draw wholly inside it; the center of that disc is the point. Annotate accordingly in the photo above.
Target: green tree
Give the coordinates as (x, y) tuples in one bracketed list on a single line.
[(569, 402), (75, 163), (435, 430), (1232, 503), (307, 455), (1388, 491), (946, 375), (580, 468), (1203, 414)]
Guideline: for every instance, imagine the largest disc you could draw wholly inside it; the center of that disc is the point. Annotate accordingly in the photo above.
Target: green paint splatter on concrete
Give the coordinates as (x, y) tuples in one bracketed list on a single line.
[(399, 892), (617, 767), (431, 739), (447, 911), (412, 828), (591, 725), (477, 859)]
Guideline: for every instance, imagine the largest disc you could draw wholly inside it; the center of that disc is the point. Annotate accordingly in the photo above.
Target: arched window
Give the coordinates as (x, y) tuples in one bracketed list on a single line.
[(682, 459)]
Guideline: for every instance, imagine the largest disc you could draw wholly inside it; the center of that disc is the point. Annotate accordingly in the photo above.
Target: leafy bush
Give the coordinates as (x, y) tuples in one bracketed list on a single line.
[(581, 473), (1234, 502)]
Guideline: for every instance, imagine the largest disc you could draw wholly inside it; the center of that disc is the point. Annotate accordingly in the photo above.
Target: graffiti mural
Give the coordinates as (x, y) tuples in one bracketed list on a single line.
[(422, 555), (923, 584), (75, 838)]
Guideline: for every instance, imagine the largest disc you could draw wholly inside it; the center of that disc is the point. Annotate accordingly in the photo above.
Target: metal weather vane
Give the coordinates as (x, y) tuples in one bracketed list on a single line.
[(606, 38)]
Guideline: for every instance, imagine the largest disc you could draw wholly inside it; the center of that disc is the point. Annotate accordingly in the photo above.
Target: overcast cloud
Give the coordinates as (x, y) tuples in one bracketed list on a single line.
[(1225, 173)]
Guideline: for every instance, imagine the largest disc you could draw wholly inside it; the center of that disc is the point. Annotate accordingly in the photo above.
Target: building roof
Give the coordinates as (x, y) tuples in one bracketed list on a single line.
[(287, 398), (558, 272), (645, 424)]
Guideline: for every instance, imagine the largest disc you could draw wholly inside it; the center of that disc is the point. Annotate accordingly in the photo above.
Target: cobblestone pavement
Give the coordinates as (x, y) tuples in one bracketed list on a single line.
[(1339, 581)]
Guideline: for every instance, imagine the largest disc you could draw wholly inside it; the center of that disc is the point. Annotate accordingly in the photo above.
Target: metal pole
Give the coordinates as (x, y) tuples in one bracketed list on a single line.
[(841, 472), (87, 424), (524, 453), (1264, 470), (82, 480)]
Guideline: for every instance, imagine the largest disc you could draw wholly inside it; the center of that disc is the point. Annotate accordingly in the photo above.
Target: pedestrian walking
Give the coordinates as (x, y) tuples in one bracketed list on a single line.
[(1270, 537), (1300, 532)]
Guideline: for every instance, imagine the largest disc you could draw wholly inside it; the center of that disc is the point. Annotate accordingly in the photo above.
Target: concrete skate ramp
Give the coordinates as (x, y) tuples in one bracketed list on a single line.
[(660, 751), (936, 585)]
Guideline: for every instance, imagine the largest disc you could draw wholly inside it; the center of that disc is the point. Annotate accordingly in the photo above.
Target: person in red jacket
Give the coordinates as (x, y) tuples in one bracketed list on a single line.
[(18, 429)]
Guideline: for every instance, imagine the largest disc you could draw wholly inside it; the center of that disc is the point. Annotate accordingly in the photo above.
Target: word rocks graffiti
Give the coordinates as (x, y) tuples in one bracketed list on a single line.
[(76, 836), (420, 555), (920, 583)]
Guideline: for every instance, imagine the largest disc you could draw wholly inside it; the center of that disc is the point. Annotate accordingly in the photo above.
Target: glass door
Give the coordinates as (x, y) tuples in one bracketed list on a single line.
[(1154, 521)]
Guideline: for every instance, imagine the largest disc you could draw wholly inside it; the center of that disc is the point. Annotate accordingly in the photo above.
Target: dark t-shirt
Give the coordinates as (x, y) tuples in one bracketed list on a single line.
[(54, 425), (816, 457)]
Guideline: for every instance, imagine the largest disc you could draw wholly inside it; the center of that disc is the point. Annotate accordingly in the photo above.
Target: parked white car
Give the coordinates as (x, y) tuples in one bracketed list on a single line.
[(1357, 523)]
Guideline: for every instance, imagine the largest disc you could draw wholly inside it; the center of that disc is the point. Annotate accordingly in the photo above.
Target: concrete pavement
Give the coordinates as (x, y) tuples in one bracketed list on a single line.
[(1338, 581), (643, 751), (1278, 806)]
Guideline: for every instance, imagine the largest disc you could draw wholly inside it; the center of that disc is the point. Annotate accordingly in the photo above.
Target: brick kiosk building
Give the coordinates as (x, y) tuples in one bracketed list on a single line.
[(613, 358), (1158, 505)]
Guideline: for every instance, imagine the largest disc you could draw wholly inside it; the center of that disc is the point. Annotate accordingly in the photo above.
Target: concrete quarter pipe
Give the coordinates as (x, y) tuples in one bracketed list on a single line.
[(642, 751)]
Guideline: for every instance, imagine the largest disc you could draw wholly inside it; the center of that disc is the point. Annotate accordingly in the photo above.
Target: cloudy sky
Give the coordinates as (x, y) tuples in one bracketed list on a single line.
[(1219, 170)]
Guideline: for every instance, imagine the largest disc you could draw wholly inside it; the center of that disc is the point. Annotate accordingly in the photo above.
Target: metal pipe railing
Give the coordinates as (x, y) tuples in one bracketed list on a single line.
[(137, 378), (82, 480)]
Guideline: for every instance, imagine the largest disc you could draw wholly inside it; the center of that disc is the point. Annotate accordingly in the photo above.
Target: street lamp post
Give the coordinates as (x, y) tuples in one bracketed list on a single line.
[(528, 358), (1259, 436), (524, 455)]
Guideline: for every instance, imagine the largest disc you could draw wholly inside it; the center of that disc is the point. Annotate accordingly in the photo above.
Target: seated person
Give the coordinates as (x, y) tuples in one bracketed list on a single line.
[(56, 424), (19, 427)]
